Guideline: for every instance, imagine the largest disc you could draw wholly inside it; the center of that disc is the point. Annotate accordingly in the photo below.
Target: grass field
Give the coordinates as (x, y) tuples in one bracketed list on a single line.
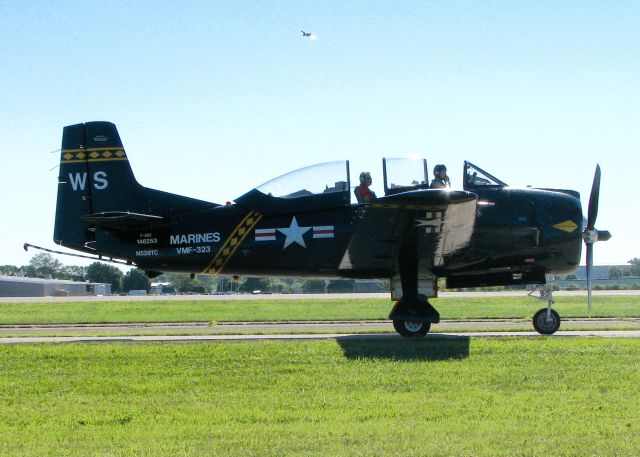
[(481, 396), (327, 309)]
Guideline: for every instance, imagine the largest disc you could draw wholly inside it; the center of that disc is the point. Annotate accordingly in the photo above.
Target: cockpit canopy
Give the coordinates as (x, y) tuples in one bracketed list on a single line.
[(476, 178), (317, 187), (399, 175), (327, 185), (403, 174), (317, 179)]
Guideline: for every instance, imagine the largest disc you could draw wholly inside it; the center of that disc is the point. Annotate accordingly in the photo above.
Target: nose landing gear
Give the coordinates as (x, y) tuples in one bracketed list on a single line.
[(546, 321)]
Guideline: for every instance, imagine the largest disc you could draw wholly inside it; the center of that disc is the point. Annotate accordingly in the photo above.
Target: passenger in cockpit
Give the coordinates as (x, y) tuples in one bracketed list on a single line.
[(362, 192), (440, 178)]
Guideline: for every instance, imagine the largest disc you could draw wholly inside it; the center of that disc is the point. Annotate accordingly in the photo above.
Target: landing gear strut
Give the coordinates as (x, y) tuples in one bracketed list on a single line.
[(412, 314), (546, 321)]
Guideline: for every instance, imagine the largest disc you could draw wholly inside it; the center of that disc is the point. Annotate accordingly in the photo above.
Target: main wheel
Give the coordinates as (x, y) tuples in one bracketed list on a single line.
[(411, 329), (546, 326)]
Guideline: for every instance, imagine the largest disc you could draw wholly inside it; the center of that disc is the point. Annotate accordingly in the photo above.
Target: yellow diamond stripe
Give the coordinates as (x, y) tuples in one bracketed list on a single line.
[(233, 242), (94, 155), (566, 226)]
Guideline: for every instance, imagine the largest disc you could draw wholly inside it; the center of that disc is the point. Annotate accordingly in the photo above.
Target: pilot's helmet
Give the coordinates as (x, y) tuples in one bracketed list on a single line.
[(365, 177), (438, 168)]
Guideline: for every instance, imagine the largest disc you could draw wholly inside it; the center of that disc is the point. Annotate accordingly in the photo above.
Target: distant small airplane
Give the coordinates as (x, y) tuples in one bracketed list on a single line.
[(305, 34)]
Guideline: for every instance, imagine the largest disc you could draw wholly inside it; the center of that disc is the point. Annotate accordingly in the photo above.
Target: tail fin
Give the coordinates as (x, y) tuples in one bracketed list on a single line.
[(95, 177), (98, 194)]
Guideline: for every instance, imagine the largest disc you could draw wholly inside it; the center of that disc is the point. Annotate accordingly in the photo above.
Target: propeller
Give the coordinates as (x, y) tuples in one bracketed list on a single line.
[(590, 234)]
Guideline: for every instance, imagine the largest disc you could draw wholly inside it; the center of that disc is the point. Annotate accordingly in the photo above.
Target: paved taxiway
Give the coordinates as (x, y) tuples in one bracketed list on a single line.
[(192, 338), (145, 332), (295, 330), (328, 327)]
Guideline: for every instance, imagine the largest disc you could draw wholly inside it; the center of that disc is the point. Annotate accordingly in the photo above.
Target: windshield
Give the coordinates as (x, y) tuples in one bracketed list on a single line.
[(475, 177), (317, 179), (400, 174)]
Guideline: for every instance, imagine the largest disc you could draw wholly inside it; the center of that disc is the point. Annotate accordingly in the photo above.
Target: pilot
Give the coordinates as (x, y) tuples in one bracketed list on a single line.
[(362, 192), (440, 178)]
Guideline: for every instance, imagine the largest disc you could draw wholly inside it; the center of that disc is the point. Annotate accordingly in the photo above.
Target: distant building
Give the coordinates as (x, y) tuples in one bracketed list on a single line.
[(159, 288), (14, 286), (137, 292), (600, 279), (599, 271), (367, 286)]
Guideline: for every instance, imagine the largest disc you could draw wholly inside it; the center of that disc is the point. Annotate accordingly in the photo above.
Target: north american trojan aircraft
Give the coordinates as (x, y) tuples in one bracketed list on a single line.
[(305, 224)]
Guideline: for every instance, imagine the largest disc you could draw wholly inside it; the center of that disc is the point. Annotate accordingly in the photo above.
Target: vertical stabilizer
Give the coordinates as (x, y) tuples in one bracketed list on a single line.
[(95, 177)]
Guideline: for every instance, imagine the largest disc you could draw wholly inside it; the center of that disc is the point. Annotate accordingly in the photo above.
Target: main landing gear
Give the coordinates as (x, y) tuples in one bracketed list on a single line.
[(413, 318), (546, 321)]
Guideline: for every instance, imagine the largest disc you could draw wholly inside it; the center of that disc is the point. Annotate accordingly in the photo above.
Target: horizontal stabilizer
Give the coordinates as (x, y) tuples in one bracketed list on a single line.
[(26, 247), (123, 219)]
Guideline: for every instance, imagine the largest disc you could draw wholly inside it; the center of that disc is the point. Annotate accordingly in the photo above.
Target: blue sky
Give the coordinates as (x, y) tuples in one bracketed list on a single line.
[(214, 98)]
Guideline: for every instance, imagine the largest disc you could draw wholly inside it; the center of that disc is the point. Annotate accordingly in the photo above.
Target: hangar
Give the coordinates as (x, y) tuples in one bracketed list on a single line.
[(15, 286)]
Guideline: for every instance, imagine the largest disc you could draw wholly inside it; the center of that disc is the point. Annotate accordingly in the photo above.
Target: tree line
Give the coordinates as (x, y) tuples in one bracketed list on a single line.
[(44, 265), (632, 271)]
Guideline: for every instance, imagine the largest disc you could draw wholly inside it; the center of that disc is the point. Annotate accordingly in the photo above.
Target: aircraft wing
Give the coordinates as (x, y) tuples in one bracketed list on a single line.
[(428, 226)]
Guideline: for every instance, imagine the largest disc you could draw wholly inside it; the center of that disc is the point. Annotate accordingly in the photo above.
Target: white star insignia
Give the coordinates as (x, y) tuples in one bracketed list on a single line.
[(294, 234)]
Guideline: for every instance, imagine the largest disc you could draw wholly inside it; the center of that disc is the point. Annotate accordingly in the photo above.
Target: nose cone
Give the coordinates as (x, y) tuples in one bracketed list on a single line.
[(560, 215), (604, 235)]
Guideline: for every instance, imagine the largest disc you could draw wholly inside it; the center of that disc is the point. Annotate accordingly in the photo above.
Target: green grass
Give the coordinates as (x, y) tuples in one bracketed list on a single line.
[(326, 309), (387, 396)]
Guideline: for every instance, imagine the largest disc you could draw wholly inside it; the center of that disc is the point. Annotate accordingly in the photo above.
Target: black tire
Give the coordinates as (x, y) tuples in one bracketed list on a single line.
[(543, 326), (411, 329)]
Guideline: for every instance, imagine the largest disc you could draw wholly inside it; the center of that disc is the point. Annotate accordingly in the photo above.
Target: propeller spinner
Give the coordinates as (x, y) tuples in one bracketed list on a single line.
[(590, 234)]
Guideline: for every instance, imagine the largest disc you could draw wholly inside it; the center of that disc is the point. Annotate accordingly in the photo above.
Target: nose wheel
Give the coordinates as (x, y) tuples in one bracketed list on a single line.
[(546, 321)]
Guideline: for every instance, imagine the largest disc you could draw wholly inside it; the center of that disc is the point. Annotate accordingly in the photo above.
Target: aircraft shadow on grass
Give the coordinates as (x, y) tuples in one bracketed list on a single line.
[(429, 349)]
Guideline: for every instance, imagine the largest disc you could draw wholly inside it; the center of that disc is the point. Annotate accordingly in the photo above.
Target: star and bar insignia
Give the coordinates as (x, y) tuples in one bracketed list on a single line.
[(294, 233)]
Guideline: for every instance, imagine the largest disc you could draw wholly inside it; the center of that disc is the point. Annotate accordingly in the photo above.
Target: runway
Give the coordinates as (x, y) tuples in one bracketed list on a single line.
[(292, 330), (203, 338), (328, 327)]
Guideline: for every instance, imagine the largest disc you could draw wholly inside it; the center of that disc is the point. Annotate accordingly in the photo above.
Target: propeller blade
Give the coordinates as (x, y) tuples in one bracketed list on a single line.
[(589, 273), (593, 200)]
